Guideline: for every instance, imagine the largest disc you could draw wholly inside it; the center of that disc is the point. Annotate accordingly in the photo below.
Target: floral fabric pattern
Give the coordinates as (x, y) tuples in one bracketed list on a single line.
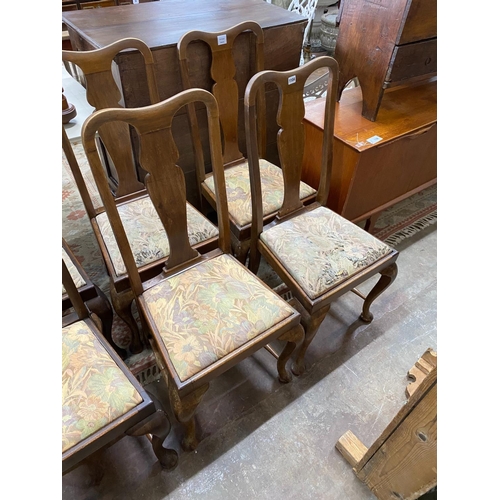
[(95, 391), (209, 310), (146, 234), (320, 249), (73, 271), (238, 190)]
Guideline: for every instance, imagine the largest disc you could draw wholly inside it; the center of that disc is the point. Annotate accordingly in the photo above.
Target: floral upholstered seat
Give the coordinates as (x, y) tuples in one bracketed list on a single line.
[(73, 271), (95, 391), (238, 190), (146, 234), (320, 249), (208, 311)]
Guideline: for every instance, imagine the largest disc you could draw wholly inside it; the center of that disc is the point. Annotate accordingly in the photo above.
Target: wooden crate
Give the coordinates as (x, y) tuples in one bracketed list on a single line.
[(402, 463)]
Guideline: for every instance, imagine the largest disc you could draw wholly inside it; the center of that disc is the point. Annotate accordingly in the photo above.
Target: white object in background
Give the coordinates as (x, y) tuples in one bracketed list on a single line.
[(306, 8)]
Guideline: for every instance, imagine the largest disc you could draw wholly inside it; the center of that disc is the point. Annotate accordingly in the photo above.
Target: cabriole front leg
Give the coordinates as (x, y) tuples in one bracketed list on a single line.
[(184, 409), (157, 426), (311, 324), (293, 337), (387, 276)]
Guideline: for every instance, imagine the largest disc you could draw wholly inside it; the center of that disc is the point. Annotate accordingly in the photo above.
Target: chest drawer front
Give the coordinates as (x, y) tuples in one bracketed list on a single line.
[(412, 60), (420, 22)]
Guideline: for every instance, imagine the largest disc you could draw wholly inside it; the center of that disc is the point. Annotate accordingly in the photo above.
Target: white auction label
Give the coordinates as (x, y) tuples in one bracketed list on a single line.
[(292, 79), (374, 139), (221, 39)]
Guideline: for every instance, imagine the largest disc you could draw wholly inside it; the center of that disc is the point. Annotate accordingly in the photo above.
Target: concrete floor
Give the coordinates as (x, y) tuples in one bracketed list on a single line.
[(262, 439)]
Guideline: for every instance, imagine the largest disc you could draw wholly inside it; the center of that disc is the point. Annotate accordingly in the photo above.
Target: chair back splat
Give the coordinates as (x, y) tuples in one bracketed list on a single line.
[(204, 312), (164, 179), (290, 135), (317, 253), (103, 91), (225, 88)]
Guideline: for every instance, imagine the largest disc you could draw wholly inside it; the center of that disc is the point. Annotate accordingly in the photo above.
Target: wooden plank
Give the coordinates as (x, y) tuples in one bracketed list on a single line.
[(352, 448), (406, 464)]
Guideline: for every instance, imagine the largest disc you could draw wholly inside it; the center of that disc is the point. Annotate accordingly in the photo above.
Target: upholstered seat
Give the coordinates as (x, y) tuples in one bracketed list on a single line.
[(208, 311), (145, 232), (238, 190), (320, 249), (95, 392)]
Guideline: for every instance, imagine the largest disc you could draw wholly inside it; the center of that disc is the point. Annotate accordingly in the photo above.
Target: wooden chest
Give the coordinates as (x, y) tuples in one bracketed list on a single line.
[(386, 43), (375, 164), (160, 25)]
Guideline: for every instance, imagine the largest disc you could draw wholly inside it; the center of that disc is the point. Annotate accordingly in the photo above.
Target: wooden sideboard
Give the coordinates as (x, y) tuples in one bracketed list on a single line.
[(385, 44), (160, 25), (375, 164)]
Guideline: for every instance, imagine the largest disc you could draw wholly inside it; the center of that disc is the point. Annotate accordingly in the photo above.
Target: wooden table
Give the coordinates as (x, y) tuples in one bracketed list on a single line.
[(400, 160), (161, 24)]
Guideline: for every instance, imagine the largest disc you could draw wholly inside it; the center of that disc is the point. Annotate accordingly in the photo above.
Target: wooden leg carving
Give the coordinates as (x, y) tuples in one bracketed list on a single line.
[(311, 323), (184, 412), (122, 304), (293, 338), (158, 426), (101, 307), (388, 275)]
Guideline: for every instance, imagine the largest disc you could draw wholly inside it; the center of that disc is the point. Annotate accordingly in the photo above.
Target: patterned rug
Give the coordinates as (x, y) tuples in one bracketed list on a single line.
[(393, 226)]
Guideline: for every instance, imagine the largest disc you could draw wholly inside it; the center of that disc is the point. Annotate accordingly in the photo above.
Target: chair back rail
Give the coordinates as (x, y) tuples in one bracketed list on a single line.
[(164, 180)]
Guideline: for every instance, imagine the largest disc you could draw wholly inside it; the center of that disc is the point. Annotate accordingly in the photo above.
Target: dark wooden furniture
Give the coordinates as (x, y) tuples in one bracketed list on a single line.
[(68, 5), (385, 44), (93, 297), (129, 192), (402, 462), (230, 101), (318, 254), (205, 312), (88, 355), (401, 160), (161, 25)]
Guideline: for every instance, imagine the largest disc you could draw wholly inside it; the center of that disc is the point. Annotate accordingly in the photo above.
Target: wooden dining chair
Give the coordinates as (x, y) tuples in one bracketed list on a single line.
[(93, 297), (150, 244), (101, 399), (317, 253), (204, 312), (229, 97)]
